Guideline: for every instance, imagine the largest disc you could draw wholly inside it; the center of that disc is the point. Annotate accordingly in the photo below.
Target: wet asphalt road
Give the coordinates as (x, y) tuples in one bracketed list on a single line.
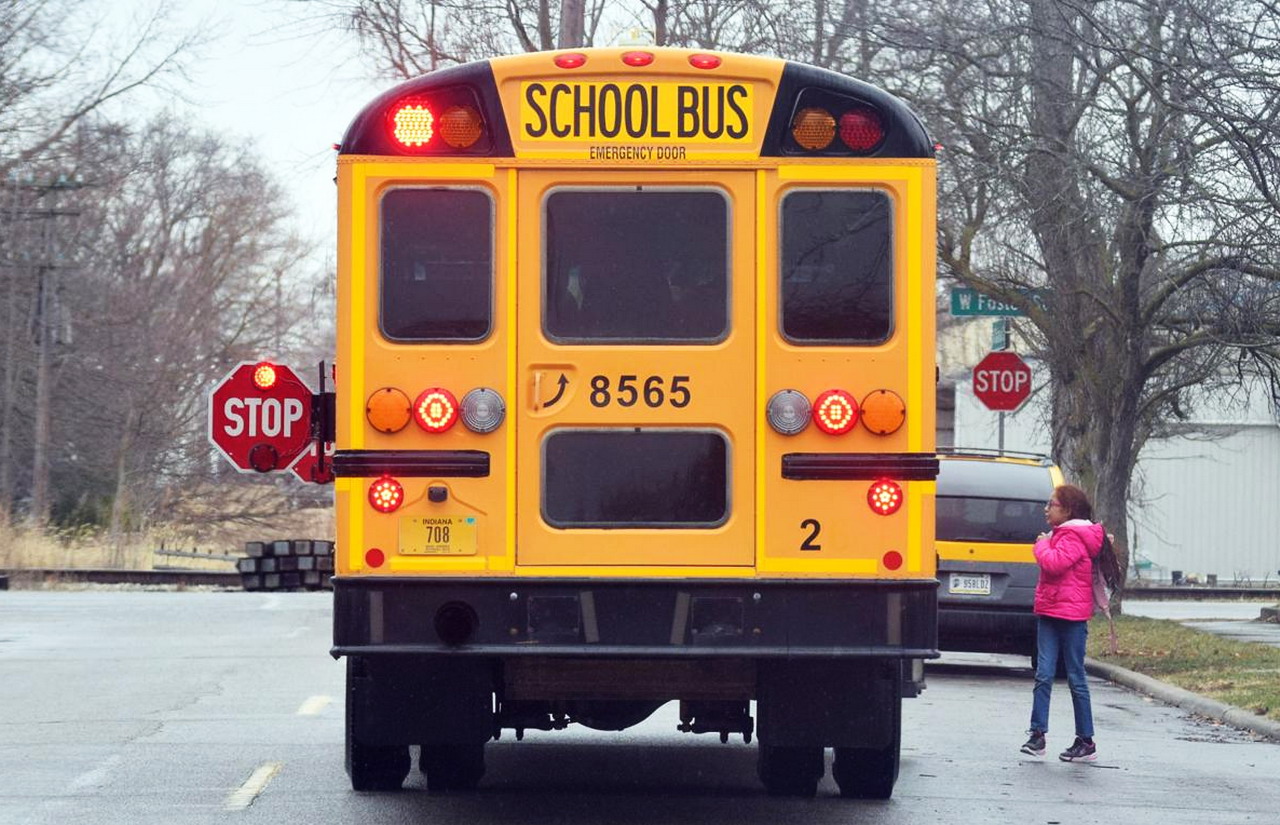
[(135, 707)]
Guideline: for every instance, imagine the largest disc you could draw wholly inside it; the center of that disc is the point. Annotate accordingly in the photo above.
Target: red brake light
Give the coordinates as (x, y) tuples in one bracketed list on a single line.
[(885, 497), (412, 123), (572, 60), (835, 412), (704, 61), (264, 376), (861, 129), (637, 58), (386, 495), (435, 410)]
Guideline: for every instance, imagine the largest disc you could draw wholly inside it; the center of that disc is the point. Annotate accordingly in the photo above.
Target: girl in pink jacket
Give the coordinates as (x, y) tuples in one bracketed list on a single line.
[(1064, 602)]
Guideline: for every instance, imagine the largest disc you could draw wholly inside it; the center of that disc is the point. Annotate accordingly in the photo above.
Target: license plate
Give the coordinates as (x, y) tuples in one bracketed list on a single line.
[(972, 584), (438, 535)]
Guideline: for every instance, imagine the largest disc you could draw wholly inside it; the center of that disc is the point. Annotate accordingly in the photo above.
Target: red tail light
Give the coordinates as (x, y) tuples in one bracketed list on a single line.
[(835, 412), (386, 495), (435, 410), (885, 497)]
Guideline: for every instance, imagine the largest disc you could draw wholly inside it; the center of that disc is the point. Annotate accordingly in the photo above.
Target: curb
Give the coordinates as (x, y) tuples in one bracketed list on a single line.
[(1185, 699)]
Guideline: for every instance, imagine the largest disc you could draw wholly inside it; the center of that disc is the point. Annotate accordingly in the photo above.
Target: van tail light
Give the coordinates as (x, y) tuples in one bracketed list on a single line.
[(435, 410), (788, 412), (885, 497), (386, 495), (835, 412)]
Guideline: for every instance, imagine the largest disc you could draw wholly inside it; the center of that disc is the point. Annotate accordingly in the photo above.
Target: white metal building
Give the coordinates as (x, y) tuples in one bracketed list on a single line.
[(1205, 504)]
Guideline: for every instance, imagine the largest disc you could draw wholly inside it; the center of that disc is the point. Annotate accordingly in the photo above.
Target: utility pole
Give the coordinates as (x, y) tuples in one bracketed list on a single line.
[(46, 315)]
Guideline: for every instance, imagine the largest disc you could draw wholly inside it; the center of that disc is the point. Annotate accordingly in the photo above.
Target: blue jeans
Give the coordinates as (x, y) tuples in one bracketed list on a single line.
[(1054, 636)]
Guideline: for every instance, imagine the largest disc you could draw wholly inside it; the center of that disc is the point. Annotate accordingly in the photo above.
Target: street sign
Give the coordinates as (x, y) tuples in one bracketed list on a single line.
[(966, 301), (1002, 381), (260, 417), (307, 467)]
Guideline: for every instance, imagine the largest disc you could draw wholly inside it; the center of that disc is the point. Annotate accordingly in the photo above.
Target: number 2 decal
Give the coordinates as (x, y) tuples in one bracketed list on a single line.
[(814, 527)]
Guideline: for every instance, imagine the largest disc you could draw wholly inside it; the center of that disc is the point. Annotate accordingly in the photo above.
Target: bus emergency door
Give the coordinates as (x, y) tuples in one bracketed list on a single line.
[(635, 353)]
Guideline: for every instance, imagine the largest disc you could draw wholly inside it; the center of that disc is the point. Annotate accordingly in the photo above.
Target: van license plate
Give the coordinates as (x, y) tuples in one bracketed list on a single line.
[(438, 536), (971, 584)]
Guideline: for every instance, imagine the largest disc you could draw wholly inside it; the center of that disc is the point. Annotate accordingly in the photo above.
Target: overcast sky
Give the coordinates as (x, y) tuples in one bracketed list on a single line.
[(275, 74)]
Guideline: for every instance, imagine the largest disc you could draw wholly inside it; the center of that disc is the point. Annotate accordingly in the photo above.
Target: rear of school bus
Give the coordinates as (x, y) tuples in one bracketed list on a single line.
[(635, 396)]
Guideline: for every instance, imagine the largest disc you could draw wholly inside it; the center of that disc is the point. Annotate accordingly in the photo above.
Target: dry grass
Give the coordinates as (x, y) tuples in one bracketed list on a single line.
[(1243, 674), (208, 532)]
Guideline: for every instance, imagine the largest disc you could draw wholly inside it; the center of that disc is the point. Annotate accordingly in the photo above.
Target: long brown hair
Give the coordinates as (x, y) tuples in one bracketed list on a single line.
[(1074, 501)]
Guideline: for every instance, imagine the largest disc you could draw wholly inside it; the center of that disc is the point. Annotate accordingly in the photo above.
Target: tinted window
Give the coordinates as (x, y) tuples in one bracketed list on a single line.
[(636, 265), (991, 500), (437, 265), (837, 267), (629, 478)]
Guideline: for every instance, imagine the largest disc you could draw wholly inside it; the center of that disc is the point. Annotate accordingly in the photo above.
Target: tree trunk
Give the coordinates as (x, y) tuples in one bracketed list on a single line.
[(571, 24)]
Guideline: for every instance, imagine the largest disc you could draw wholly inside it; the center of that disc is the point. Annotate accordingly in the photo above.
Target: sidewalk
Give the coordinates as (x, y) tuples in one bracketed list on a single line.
[(1239, 621)]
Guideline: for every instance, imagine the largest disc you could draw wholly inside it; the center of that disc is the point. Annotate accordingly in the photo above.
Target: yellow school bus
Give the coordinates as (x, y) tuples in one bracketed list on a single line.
[(634, 404)]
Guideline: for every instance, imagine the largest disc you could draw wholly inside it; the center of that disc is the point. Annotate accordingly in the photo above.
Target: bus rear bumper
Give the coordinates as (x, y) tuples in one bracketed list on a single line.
[(702, 619)]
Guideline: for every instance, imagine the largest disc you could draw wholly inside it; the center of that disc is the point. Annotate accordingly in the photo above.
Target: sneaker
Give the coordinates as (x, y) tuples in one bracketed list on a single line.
[(1035, 745), (1082, 751)]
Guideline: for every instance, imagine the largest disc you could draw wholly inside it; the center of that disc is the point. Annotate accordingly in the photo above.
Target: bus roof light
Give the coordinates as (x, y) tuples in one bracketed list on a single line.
[(788, 412), (637, 59), (885, 497), (571, 60), (412, 123), (861, 129), (835, 412), (704, 61), (813, 129), (435, 410), (461, 126)]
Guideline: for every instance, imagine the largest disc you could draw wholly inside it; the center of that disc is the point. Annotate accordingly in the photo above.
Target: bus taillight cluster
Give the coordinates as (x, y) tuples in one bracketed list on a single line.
[(836, 412), (435, 410)]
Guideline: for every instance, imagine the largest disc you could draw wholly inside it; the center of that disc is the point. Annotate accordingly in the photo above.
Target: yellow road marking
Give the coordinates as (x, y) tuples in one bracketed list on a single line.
[(244, 796), (314, 705)]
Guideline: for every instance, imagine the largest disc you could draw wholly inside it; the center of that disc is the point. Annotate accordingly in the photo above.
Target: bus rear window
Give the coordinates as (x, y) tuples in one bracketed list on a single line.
[(634, 265), (437, 265), (635, 478), (837, 267)]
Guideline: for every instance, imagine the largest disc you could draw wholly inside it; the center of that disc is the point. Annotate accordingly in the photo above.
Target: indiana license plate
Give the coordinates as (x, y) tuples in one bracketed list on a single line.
[(971, 584), (438, 536)]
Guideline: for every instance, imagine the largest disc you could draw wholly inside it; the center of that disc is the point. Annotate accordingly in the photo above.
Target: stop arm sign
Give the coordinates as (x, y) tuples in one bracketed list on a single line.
[(260, 417)]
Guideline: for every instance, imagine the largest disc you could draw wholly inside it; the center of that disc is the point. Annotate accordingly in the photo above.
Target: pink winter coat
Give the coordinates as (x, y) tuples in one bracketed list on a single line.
[(1065, 589)]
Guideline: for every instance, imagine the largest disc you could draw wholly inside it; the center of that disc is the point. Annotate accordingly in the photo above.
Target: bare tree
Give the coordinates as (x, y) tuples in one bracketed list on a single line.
[(57, 69), (1117, 153)]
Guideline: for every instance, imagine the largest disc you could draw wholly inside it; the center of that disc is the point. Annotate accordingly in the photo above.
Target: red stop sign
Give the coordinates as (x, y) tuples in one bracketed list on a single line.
[(260, 428), (1002, 381)]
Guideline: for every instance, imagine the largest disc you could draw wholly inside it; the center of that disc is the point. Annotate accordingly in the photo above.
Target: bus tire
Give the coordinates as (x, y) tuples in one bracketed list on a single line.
[(870, 772), (370, 767), (452, 767), (790, 771)]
